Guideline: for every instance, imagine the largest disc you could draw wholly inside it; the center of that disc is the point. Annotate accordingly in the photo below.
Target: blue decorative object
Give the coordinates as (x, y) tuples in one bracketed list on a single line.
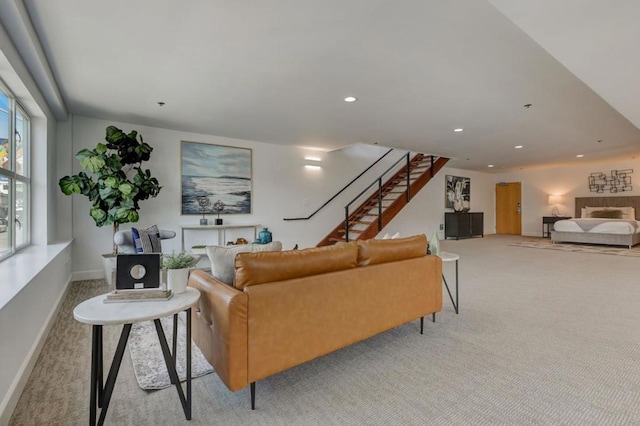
[(265, 236)]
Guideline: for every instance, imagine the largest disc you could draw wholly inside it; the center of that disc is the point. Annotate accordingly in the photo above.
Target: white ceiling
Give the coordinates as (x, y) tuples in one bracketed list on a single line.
[(277, 71)]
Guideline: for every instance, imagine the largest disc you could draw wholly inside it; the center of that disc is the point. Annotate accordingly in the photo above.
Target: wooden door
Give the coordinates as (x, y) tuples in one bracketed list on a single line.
[(508, 208)]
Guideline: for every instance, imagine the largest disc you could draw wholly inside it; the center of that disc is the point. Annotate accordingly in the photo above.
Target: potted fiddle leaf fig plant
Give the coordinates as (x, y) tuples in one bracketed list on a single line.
[(116, 182)]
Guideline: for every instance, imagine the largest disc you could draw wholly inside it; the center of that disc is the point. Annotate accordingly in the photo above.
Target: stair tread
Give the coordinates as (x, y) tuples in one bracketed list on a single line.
[(357, 231)]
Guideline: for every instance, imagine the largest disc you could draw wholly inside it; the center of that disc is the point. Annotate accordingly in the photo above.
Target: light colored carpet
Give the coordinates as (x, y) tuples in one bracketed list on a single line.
[(543, 338), (146, 354), (543, 243)]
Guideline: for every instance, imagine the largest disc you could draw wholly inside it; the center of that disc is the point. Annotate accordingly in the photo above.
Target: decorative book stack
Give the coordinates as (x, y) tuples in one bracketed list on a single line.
[(149, 295)]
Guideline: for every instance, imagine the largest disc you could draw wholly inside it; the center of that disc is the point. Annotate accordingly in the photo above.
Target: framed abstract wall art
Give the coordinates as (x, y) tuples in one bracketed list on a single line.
[(212, 173), (457, 193)]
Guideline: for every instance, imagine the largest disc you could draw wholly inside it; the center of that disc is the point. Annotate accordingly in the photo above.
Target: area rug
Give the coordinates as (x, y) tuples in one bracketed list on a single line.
[(146, 354), (578, 247)]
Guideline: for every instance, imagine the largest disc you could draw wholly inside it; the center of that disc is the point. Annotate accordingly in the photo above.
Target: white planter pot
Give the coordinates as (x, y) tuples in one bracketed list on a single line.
[(177, 280)]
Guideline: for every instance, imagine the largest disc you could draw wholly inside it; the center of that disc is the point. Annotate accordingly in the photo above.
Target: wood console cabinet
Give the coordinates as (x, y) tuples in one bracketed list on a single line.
[(463, 225)]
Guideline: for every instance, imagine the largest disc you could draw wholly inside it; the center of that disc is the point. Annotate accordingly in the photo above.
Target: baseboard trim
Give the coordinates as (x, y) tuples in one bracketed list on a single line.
[(87, 275), (20, 381)]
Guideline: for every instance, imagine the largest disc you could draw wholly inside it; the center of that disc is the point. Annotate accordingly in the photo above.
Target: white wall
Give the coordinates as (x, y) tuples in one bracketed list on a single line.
[(569, 181), (28, 302), (282, 188)]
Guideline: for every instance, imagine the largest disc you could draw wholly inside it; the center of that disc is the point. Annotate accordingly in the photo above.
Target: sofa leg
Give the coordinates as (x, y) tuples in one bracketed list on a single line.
[(433, 317), (253, 395), (421, 325)]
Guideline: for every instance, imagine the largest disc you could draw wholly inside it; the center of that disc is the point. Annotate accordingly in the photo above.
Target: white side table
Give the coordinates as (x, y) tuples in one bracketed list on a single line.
[(97, 313), (451, 257)]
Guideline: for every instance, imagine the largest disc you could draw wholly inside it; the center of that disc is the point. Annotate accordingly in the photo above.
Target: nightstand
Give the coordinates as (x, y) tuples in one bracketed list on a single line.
[(548, 221)]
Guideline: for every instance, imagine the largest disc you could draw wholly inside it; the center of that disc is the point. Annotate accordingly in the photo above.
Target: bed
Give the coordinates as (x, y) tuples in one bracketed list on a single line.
[(601, 220)]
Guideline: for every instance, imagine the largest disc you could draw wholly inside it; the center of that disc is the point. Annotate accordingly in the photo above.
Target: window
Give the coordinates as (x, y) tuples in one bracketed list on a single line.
[(15, 185)]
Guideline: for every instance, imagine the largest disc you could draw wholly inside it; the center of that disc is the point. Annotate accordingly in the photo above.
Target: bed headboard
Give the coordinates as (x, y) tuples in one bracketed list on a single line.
[(633, 201)]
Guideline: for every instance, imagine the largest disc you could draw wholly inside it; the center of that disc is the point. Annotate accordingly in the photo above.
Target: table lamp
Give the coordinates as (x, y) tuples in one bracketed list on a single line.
[(554, 200)]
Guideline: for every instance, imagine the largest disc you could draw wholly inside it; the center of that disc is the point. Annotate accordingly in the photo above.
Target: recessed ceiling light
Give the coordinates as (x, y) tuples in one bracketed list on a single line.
[(580, 155), (518, 146), (458, 130), (350, 99), (490, 165)]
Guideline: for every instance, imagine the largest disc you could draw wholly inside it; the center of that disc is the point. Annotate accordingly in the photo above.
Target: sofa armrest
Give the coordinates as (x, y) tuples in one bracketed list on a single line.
[(220, 328)]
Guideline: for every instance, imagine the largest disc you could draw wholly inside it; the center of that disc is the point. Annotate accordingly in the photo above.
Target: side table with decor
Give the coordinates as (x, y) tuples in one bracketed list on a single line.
[(98, 313)]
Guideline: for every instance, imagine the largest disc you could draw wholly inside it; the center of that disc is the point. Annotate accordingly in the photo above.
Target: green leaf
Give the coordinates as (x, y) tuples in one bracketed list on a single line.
[(107, 193), (114, 135), (126, 188), (92, 163), (69, 186), (101, 148), (111, 182), (84, 153), (97, 214)]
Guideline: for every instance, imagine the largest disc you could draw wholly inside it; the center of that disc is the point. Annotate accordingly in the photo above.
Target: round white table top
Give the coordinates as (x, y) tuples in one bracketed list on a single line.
[(95, 311), (448, 257)]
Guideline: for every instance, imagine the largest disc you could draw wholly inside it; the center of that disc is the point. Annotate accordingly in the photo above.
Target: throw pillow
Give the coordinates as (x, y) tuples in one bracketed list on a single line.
[(147, 240), (607, 214), (223, 266)]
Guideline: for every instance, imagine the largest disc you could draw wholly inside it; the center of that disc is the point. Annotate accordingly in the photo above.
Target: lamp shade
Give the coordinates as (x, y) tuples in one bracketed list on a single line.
[(555, 199)]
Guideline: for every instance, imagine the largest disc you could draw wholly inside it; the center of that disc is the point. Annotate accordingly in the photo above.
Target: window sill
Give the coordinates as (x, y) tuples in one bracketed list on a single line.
[(17, 271)]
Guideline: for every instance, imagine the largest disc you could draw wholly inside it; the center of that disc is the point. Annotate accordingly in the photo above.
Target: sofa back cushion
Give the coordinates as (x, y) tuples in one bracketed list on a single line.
[(223, 258), (265, 267), (372, 252)]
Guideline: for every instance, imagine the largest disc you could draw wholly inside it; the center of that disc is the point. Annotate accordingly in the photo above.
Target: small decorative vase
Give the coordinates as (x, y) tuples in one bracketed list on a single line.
[(177, 280), (204, 221), (434, 244), (218, 221), (265, 236)]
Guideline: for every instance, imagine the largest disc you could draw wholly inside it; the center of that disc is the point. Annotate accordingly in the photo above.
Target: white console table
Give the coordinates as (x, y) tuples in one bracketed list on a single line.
[(222, 231)]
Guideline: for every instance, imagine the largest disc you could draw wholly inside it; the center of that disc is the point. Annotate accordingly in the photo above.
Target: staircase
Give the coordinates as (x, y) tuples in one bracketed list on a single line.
[(384, 202)]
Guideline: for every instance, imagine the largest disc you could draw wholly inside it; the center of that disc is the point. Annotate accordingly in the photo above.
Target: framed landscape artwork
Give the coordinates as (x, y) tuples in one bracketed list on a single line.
[(457, 193), (212, 173)]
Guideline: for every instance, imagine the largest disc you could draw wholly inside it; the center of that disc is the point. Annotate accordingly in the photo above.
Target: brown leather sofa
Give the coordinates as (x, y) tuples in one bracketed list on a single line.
[(289, 307)]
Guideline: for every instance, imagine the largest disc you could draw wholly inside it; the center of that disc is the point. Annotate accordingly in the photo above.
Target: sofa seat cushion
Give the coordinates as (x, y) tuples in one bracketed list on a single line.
[(223, 258), (259, 268), (372, 252)]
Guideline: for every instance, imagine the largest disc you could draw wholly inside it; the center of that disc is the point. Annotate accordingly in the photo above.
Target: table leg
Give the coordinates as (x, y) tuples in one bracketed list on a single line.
[(100, 366), (457, 301), (113, 371), (188, 414), (95, 333), (171, 368), (175, 341), (446, 285)]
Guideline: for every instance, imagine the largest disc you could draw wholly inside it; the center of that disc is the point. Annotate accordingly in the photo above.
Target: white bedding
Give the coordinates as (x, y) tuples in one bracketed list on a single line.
[(610, 226)]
